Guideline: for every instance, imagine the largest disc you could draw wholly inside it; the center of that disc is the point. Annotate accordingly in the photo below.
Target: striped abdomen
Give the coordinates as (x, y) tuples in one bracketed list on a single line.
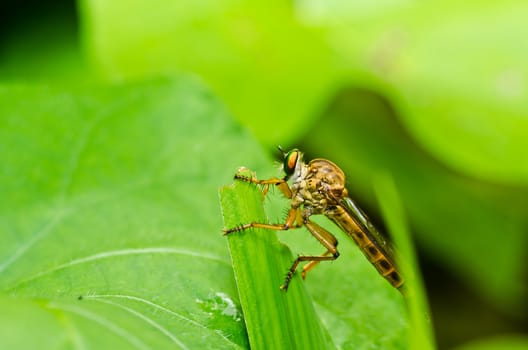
[(371, 244)]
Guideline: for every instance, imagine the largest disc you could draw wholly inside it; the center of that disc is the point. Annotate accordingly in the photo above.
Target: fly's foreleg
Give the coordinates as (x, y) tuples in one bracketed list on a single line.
[(293, 220), (281, 184), (327, 239)]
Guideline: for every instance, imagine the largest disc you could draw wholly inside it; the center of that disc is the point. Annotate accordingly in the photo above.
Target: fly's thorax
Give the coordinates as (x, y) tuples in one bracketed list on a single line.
[(314, 200), (327, 178), (318, 185)]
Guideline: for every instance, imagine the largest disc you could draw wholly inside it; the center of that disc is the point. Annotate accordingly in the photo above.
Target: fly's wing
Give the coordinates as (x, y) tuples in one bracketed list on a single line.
[(362, 219)]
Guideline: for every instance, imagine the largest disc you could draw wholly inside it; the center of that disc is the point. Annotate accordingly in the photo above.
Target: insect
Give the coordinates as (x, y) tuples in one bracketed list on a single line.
[(319, 188)]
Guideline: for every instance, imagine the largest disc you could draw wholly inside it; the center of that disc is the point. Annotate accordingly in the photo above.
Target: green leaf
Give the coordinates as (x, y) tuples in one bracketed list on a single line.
[(275, 319), (110, 224)]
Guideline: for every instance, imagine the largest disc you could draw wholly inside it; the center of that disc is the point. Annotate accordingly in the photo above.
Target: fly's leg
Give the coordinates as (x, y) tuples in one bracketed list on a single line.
[(280, 183), (324, 237), (293, 220), (312, 264)]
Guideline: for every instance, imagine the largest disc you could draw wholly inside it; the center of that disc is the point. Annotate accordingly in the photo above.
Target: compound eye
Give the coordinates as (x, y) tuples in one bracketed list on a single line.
[(290, 161)]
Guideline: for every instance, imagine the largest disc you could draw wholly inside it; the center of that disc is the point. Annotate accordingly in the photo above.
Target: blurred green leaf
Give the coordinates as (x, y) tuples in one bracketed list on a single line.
[(110, 224), (262, 62), (419, 314), (464, 82), (505, 342), (42, 45), (457, 71), (289, 61)]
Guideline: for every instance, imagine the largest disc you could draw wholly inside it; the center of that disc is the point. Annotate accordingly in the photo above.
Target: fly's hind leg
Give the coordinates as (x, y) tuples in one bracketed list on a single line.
[(312, 264), (324, 237)]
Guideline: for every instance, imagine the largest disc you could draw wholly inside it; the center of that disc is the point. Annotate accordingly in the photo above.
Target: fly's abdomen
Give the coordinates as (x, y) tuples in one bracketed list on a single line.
[(384, 266), (370, 248)]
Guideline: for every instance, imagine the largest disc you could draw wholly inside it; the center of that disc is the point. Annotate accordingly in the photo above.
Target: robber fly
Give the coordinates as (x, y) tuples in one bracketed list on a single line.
[(319, 188)]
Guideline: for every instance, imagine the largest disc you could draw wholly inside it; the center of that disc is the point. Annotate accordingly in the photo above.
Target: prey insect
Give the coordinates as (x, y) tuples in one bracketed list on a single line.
[(318, 187)]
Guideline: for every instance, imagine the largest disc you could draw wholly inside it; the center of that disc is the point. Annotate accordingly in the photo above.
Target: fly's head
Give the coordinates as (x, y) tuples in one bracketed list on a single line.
[(293, 165), (318, 184)]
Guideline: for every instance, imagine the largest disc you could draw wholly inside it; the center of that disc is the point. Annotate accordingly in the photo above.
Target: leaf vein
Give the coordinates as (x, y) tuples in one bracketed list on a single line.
[(103, 322), (157, 306), (37, 237), (148, 320), (123, 252)]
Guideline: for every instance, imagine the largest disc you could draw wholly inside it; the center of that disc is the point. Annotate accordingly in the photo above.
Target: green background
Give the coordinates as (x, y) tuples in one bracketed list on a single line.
[(121, 120)]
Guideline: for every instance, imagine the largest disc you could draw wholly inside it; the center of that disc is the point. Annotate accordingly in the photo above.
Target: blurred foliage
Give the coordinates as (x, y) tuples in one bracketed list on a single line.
[(433, 93), (39, 41), (422, 335), (253, 54), (455, 69), (505, 342)]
